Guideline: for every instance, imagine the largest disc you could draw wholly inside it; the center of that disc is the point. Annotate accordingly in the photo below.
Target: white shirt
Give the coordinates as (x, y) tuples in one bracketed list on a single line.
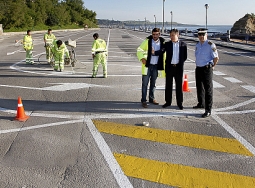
[(156, 47), (176, 51)]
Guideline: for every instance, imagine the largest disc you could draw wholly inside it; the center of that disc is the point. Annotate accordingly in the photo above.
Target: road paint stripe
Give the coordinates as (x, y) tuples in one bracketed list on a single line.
[(237, 112), (180, 175), (237, 136), (217, 85), (233, 80), (206, 142), (40, 126), (249, 88), (119, 175), (236, 105), (218, 73)]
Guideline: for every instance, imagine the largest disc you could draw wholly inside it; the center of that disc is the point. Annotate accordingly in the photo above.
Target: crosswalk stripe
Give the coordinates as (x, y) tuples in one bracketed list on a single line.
[(249, 88), (206, 142), (217, 85), (218, 73), (233, 80), (180, 175)]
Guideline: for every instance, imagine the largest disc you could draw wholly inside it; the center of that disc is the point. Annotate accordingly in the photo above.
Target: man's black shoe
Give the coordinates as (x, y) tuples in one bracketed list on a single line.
[(198, 106), (206, 114), (166, 105), (180, 107)]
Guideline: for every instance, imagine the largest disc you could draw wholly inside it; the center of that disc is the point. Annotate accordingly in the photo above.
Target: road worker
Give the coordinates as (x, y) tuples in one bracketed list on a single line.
[(28, 47), (48, 40), (99, 54), (60, 52)]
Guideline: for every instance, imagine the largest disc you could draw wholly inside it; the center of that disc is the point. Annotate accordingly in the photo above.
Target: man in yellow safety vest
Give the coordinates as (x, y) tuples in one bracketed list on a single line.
[(99, 54), (28, 47), (48, 40), (60, 52)]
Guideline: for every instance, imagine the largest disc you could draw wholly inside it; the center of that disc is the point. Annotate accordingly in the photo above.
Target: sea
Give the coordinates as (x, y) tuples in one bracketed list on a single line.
[(211, 28)]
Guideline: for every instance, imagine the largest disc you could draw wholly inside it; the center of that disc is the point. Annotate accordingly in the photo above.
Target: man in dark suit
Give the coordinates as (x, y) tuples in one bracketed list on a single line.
[(176, 55)]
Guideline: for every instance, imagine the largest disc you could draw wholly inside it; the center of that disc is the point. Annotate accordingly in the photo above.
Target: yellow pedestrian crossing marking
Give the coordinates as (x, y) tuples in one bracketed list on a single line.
[(180, 175), (206, 142)]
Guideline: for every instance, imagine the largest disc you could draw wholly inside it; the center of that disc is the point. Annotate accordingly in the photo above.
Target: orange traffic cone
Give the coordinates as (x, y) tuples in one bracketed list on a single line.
[(21, 116), (185, 86)]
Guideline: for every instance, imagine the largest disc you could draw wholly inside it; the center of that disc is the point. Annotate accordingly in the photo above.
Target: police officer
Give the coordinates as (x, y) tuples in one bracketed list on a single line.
[(206, 59), (99, 53), (60, 51), (48, 40), (28, 47)]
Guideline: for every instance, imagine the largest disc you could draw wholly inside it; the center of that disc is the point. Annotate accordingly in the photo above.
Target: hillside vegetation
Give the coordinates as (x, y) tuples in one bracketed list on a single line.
[(20, 15)]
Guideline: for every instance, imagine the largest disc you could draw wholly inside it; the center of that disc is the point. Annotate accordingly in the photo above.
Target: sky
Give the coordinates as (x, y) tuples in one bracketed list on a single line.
[(220, 12)]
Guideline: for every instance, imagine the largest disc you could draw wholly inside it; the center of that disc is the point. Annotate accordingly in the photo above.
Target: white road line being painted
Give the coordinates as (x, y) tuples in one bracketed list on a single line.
[(235, 112), (11, 53), (234, 134), (40, 126), (249, 88), (58, 86), (233, 80), (218, 73), (119, 175), (236, 105)]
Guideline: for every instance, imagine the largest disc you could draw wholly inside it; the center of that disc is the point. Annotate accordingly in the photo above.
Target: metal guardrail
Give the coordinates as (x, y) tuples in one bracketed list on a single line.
[(231, 44)]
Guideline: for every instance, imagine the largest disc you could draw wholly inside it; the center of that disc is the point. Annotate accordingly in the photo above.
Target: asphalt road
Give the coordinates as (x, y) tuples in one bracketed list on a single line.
[(88, 132)]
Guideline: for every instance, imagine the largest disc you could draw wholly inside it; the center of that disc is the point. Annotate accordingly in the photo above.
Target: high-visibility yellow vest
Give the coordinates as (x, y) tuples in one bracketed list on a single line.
[(49, 38), (142, 52), (99, 45), (28, 42), (60, 50)]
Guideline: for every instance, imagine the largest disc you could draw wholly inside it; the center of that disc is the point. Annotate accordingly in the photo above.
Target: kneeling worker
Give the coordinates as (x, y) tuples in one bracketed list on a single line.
[(59, 51), (99, 53)]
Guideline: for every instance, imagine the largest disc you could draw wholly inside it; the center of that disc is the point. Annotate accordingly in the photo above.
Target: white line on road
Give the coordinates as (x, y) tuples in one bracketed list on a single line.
[(236, 105), (40, 126), (218, 73), (58, 86), (250, 88), (217, 85), (233, 80), (234, 134), (119, 175)]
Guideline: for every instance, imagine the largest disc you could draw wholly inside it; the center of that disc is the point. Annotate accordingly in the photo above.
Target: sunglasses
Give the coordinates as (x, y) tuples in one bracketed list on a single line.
[(201, 34)]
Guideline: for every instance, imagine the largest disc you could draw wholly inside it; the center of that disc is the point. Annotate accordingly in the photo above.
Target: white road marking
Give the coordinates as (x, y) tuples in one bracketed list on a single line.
[(11, 53), (218, 73), (40, 126), (233, 80), (217, 85), (236, 112), (58, 86), (236, 105), (119, 175), (234, 134), (249, 88)]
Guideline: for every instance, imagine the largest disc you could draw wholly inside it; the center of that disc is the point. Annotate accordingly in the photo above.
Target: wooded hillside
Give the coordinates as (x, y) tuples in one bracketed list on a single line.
[(41, 14)]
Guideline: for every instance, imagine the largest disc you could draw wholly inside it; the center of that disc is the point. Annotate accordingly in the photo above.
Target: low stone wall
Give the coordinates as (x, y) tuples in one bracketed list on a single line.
[(1, 29)]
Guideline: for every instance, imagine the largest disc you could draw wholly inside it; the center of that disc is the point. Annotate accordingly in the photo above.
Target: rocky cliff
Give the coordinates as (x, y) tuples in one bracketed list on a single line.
[(245, 25)]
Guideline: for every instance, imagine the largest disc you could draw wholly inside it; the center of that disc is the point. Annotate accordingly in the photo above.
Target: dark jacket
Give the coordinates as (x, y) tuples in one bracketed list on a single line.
[(160, 64), (168, 48)]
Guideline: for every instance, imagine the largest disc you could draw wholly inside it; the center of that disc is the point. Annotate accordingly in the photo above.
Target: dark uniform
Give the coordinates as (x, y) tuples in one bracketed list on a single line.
[(205, 54)]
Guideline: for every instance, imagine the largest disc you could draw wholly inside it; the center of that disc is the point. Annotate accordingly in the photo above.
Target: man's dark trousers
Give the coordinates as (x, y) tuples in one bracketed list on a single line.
[(170, 74), (204, 86)]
